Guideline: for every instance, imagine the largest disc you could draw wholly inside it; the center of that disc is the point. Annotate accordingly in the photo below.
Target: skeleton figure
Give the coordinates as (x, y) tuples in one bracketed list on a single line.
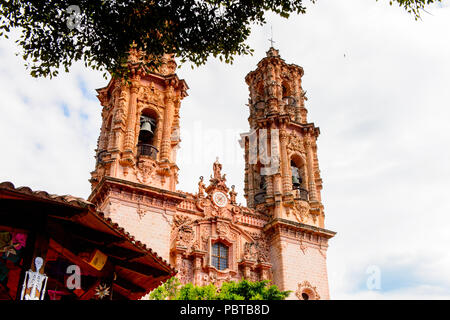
[(34, 283)]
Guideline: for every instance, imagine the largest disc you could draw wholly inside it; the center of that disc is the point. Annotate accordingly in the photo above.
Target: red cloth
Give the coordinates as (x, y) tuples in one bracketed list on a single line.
[(19, 238)]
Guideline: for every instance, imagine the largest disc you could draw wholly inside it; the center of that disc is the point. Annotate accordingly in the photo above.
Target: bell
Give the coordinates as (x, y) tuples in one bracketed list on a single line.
[(296, 178), (263, 183), (295, 182), (146, 132), (146, 126)]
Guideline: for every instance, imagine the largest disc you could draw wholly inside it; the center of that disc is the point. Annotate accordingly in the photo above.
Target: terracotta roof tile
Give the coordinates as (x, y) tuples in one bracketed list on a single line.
[(81, 203)]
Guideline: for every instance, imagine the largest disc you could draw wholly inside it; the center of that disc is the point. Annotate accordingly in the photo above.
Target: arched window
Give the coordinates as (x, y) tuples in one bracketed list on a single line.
[(219, 256)]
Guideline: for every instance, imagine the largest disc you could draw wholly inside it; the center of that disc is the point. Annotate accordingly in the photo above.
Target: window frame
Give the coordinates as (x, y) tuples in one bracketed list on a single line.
[(219, 257)]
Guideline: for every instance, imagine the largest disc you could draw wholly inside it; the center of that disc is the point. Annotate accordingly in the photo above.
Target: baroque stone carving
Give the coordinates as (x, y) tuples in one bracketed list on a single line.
[(185, 274), (140, 211), (205, 233), (145, 169), (250, 251), (301, 211), (296, 143), (303, 247), (257, 251), (222, 229), (180, 219), (151, 95), (306, 291), (233, 195), (201, 188), (185, 236)]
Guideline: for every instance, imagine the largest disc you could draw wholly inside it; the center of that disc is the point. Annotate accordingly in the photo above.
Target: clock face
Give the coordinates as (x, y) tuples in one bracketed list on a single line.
[(220, 199)]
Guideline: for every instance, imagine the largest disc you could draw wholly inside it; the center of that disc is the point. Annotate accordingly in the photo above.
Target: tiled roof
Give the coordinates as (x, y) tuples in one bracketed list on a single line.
[(137, 243), (83, 204), (65, 199)]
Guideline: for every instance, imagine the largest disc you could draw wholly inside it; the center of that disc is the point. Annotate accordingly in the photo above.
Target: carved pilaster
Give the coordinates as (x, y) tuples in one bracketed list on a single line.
[(167, 126), (310, 165), (286, 176), (131, 119)]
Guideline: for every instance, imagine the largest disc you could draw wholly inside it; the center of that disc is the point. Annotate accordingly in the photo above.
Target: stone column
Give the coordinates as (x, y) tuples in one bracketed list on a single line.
[(131, 119), (167, 125), (310, 165), (285, 173), (197, 267), (246, 266)]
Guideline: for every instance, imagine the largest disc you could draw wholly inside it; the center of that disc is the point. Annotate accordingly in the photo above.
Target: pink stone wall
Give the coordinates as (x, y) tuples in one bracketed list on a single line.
[(152, 227), (292, 266)]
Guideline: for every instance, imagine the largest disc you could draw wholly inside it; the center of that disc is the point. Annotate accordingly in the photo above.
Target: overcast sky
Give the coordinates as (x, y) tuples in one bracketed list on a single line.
[(378, 87)]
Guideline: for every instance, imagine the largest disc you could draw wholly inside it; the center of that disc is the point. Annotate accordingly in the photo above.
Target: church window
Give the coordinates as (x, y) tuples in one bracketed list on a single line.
[(219, 256)]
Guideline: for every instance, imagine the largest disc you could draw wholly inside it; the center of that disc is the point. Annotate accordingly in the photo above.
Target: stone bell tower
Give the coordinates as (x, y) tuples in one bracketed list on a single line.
[(136, 174), (140, 127), (282, 176)]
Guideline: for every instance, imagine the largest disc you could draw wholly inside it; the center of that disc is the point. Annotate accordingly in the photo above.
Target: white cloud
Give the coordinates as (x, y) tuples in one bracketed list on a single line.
[(377, 83)]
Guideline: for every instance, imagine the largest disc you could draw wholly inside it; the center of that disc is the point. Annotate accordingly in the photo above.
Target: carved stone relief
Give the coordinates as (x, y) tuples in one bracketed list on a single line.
[(305, 291)]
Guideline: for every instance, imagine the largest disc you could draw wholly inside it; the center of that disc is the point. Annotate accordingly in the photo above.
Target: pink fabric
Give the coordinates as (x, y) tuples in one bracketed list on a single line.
[(19, 238)]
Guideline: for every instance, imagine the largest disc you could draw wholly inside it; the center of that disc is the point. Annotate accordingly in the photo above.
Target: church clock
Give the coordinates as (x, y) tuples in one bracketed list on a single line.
[(220, 199)]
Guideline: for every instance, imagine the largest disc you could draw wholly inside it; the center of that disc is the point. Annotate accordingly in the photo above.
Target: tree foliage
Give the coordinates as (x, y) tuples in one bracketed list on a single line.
[(242, 290), (56, 33)]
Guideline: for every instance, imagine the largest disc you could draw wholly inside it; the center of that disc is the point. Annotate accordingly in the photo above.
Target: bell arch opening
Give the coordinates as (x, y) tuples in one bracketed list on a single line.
[(146, 140), (298, 173)]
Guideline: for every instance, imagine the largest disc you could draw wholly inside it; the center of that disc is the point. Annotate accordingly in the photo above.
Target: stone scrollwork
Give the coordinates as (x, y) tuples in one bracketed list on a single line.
[(185, 236), (250, 251), (301, 211), (257, 251), (150, 94), (205, 233), (223, 229), (306, 291), (296, 143), (180, 219), (140, 211), (264, 252), (202, 203), (145, 169)]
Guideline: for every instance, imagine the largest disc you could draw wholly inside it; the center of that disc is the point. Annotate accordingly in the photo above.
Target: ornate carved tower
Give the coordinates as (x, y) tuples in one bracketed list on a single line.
[(136, 171), (140, 125), (282, 176)]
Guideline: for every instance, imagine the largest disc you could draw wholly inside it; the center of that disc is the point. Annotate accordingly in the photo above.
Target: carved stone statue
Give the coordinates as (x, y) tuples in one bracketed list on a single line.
[(250, 251), (233, 195), (217, 168), (201, 188), (35, 283)]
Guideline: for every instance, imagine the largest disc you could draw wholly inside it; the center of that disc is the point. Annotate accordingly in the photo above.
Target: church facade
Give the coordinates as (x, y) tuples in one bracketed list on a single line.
[(207, 236)]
